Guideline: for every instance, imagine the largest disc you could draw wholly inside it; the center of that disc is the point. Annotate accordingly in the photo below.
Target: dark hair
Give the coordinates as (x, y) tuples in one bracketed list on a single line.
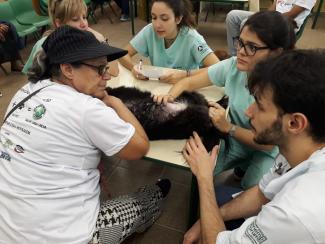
[(297, 81), (181, 8), (274, 29)]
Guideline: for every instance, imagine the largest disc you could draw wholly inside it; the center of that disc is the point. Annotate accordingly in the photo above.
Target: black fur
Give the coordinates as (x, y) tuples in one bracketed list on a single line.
[(164, 122)]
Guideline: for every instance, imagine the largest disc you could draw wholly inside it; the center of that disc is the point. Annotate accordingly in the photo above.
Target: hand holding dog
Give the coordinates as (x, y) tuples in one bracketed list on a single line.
[(163, 99), (218, 116), (201, 162)]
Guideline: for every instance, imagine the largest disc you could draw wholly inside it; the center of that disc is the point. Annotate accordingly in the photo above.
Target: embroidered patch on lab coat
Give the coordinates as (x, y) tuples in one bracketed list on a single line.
[(255, 234)]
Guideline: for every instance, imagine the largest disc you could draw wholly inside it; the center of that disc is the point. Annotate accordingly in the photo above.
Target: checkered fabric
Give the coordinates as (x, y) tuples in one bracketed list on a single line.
[(125, 215)]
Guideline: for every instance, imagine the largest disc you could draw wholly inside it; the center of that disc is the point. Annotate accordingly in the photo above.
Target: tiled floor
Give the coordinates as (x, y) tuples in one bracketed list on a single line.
[(124, 177)]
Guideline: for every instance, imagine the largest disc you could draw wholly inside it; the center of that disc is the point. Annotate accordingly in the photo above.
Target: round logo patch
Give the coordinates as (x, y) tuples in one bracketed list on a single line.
[(39, 111)]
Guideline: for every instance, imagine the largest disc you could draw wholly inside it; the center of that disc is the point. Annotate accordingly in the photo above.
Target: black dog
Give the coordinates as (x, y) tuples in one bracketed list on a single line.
[(175, 120)]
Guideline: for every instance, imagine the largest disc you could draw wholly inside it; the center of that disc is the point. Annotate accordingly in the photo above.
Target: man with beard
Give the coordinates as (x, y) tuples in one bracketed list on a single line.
[(288, 204)]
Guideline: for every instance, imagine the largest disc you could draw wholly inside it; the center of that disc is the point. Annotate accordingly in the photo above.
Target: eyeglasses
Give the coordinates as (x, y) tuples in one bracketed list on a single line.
[(101, 69), (250, 49)]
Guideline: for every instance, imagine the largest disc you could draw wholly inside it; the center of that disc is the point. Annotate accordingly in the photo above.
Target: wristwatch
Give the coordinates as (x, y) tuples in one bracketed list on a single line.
[(232, 130)]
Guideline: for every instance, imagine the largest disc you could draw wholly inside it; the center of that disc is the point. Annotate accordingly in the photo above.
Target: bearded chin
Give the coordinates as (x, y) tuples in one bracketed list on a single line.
[(270, 136)]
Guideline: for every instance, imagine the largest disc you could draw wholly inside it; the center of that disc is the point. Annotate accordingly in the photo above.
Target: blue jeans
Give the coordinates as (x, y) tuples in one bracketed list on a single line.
[(224, 195), (14, 35), (234, 22), (123, 5)]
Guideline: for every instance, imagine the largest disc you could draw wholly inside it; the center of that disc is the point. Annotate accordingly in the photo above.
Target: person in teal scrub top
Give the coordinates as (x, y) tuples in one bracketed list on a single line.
[(170, 41), (264, 34)]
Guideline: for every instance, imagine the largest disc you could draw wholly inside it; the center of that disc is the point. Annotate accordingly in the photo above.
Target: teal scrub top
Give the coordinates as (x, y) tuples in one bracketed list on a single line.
[(226, 74), (36, 48), (187, 51)]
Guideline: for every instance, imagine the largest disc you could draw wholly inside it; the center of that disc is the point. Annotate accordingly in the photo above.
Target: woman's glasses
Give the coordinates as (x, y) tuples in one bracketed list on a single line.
[(250, 49), (101, 69)]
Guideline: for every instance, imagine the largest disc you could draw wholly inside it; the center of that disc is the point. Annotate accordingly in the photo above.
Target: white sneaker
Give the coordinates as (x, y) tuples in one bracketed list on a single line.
[(124, 17)]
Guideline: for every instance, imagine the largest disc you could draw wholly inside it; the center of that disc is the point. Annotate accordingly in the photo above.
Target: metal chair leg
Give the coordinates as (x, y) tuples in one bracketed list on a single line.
[(317, 14), (148, 10), (131, 7), (196, 8), (206, 16)]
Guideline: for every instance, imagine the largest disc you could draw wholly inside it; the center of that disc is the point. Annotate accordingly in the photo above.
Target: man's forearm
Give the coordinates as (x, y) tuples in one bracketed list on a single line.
[(211, 219), (294, 12), (247, 204)]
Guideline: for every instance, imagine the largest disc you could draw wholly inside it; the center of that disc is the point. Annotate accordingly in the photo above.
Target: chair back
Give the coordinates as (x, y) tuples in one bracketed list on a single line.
[(7, 13), (37, 7), (21, 6), (44, 7), (319, 8), (25, 13)]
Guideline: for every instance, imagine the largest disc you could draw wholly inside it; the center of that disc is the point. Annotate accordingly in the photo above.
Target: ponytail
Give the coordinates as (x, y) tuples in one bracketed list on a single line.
[(41, 70), (38, 69)]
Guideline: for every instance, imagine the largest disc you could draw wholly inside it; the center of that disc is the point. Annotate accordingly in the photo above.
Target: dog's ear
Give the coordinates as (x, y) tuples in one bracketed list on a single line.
[(224, 101)]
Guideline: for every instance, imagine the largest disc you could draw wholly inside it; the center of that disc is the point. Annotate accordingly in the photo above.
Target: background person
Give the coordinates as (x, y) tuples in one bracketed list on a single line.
[(10, 44), (124, 6), (51, 145), (72, 13), (288, 204), (170, 41), (294, 9)]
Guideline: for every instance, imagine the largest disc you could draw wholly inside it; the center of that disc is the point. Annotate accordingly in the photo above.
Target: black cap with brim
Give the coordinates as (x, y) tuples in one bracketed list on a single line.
[(90, 52), (69, 45)]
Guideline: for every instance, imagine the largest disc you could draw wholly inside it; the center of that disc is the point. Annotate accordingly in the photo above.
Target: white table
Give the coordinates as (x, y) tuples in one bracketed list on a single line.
[(166, 152)]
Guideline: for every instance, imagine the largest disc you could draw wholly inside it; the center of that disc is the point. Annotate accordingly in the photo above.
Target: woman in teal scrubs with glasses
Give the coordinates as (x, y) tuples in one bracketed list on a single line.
[(264, 34)]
